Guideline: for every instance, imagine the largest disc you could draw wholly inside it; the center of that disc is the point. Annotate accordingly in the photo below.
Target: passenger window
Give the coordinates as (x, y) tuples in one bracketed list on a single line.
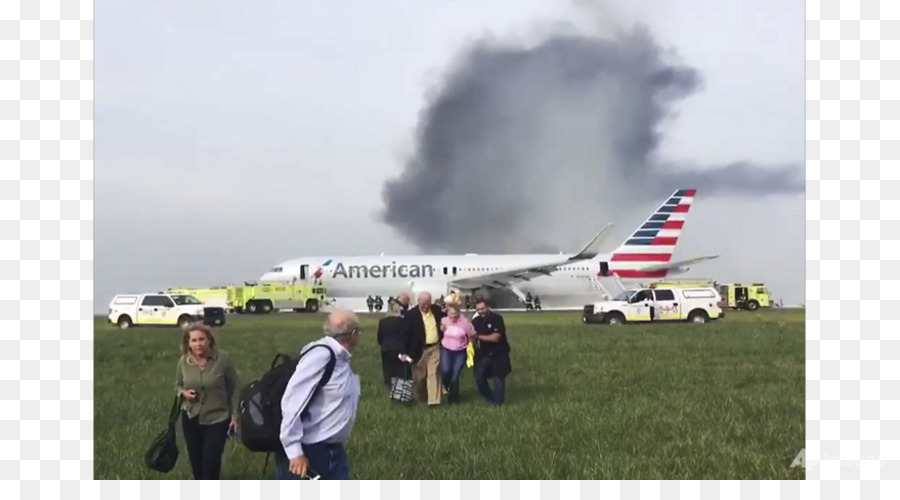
[(664, 294), (166, 302), (150, 300)]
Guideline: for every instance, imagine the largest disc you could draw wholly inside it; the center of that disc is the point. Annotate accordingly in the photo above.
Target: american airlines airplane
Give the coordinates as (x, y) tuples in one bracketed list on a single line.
[(647, 253)]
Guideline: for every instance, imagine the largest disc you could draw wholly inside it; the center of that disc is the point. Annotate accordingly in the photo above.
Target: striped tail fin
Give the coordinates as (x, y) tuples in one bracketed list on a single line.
[(653, 244)]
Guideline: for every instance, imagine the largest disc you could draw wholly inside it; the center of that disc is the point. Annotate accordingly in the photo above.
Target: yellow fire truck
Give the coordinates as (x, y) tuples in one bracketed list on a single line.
[(214, 296), (263, 298), (749, 296)]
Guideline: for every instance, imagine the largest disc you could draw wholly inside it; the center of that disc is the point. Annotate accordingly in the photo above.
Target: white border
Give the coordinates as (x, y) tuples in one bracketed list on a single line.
[(34, 156)]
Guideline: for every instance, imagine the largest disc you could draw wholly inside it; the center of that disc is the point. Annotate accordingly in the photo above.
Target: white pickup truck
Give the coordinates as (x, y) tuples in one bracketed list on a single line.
[(162, 309), (643, 305)]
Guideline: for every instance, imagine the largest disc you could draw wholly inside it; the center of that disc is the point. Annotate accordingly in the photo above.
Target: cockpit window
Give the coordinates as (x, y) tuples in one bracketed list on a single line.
[(276, 270)]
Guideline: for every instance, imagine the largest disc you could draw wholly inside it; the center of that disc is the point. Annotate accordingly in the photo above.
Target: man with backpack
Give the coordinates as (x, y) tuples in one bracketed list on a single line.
[(315, 426)]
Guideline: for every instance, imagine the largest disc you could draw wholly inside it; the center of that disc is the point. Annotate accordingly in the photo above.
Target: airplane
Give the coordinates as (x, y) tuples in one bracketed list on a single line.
[(646, 253)]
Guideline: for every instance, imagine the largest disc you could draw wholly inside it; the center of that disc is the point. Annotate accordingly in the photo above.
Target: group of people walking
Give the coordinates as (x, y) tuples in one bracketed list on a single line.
[(316, 418), (435, 344)]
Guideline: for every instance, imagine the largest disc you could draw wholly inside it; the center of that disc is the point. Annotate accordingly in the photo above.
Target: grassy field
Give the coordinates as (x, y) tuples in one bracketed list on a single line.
[(685, 401)]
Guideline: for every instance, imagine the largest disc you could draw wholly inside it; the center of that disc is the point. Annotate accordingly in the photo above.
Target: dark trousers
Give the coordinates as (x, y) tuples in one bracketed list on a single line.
[(205, 445), (452, 363), (328, 461), (391, 366), (483, 373)]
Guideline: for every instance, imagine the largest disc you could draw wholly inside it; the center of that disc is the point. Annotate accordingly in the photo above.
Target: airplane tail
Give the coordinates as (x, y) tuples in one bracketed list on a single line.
[(647, 253)]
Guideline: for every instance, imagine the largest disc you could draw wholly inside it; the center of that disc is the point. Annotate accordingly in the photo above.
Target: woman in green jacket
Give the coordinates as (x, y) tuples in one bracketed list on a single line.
[(207, 382)]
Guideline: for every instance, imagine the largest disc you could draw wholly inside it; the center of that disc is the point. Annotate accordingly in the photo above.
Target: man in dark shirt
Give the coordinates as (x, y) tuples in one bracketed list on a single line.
[(492, 354)]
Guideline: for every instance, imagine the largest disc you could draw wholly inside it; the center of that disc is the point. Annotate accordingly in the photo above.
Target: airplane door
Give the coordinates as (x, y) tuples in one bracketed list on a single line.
[(304, 272), (604, 269)]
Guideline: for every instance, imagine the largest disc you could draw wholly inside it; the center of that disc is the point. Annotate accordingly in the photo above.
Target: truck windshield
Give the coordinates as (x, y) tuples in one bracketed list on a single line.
[(185, 300), (624, 296)]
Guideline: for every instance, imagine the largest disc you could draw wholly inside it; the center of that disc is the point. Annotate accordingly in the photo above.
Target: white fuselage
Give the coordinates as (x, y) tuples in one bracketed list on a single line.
[(645, 254), (361, 276)]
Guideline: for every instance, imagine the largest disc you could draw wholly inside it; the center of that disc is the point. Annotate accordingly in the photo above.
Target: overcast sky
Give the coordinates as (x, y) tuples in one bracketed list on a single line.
[(232, 136)]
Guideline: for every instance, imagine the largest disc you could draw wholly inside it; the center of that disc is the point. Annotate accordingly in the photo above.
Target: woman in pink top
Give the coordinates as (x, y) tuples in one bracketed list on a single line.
[(458, 332)]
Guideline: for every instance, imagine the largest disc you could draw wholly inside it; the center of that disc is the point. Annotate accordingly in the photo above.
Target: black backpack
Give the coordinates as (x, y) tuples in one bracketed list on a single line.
[(260, 402)]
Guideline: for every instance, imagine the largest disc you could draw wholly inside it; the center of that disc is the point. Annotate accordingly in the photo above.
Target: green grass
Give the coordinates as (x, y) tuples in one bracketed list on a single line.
[(716, 401)]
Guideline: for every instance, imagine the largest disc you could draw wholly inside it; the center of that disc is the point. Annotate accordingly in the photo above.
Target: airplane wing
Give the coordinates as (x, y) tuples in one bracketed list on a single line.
[(504, 278), (669, 266)]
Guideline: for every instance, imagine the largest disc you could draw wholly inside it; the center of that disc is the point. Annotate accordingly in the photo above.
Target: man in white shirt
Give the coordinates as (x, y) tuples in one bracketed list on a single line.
[(314, 447)]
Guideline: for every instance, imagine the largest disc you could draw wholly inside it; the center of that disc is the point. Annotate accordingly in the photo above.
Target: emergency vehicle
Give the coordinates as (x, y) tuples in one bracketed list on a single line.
[(263, 298), (699, 283), (745, 296), (161, 309), (213, 296), (695, 305), (260, 298)]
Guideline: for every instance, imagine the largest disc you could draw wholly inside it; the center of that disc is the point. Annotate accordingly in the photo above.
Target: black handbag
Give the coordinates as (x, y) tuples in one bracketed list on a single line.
[(163, 452)]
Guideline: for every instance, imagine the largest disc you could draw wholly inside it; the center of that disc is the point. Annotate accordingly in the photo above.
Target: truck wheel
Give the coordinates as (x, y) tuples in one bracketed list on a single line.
[(312, 305), (266, 307), (753, 305), (251, 307), (184, 321), (698, 316), (615, 318), (124, 322)]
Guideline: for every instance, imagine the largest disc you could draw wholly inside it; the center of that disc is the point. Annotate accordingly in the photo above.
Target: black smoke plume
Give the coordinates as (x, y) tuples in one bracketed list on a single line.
[(522, 146)]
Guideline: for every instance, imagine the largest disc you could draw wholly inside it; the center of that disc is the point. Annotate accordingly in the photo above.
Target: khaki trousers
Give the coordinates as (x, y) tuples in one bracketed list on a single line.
[(426, 381)]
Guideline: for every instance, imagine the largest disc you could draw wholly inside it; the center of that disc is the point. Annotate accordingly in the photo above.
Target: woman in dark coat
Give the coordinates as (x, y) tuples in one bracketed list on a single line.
[(390, 339)]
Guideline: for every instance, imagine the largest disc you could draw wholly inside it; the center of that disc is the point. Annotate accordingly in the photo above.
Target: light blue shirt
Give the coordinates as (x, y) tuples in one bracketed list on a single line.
[(332, 413)]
